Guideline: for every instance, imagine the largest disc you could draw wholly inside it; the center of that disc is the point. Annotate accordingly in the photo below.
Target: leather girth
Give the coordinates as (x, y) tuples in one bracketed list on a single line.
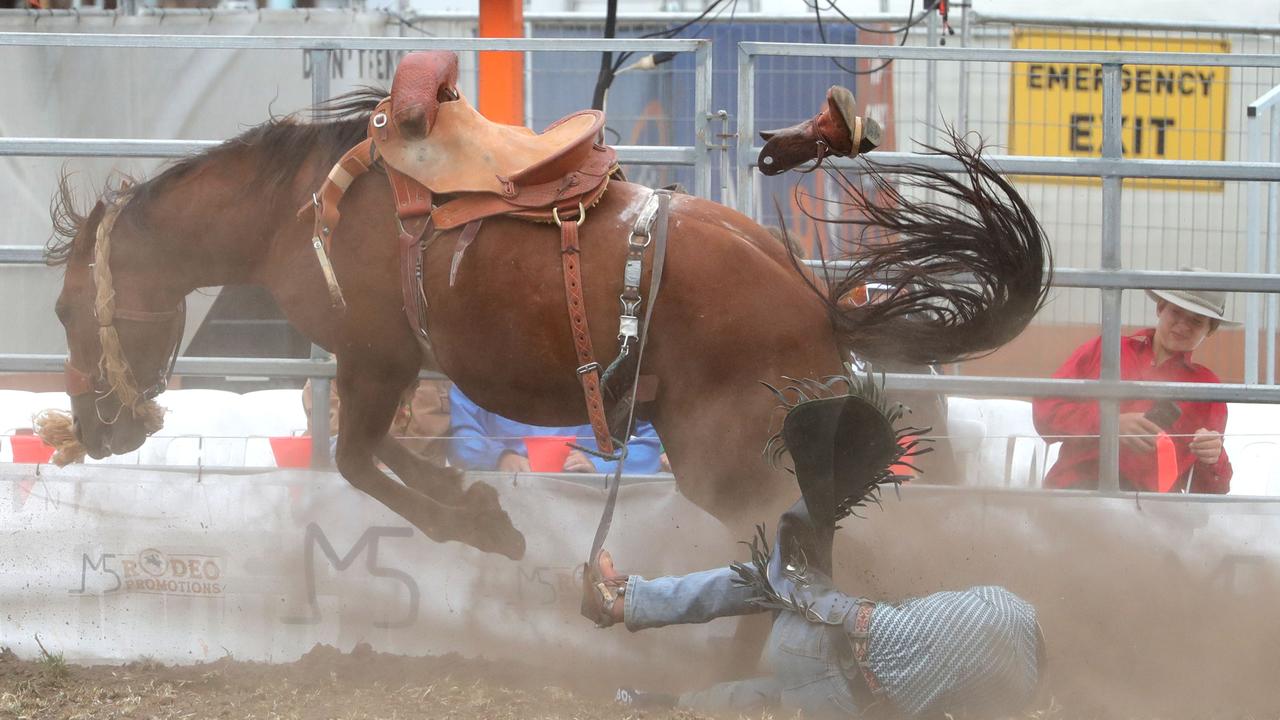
[(588, 368)]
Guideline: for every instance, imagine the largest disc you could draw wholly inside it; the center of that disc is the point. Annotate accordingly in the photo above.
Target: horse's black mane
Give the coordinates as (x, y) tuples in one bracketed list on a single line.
[(284, 142)]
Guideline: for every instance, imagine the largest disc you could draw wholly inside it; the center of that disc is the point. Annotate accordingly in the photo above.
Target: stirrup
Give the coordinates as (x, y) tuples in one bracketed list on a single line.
[(599, 593)]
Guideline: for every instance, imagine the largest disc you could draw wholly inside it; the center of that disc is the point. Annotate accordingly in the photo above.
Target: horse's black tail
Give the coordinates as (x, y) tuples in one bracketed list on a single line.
[(957, 283)]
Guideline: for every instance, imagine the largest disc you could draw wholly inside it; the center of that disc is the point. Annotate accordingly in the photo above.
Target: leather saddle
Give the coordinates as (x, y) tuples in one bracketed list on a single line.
[(450, 167), (465, 152), (836, 130), (428, 132)]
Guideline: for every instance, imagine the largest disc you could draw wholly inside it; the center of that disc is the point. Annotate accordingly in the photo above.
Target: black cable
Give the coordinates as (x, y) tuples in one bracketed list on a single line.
[(605, 78), (405, 22), (905, 30), (672, 31), (831, 4)]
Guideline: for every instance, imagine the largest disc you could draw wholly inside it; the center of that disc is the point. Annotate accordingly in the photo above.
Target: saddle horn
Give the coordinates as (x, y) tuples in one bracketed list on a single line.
[(421, 80)]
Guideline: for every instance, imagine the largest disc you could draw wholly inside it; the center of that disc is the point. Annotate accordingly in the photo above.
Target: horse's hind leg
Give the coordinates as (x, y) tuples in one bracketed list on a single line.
[(370, 401)]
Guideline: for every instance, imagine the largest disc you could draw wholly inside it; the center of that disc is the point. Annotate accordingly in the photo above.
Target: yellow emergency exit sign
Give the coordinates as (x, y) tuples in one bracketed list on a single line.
[(1168, 112)]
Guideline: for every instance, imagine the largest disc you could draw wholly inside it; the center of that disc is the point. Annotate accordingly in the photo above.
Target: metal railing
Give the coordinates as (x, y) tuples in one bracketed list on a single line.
[(1163, 219), (1266, 104), (989, 19), (1112, 167)]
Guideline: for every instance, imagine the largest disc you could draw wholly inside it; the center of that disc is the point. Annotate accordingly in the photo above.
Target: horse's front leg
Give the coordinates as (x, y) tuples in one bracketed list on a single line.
[(440, 482), (370, 397)]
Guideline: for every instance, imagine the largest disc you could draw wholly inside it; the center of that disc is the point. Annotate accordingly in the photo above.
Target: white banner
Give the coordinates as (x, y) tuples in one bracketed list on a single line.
[(1152, 603), (114, 564)]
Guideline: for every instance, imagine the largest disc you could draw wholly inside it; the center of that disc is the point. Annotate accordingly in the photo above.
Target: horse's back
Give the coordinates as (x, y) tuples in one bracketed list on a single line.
[(728, 295)]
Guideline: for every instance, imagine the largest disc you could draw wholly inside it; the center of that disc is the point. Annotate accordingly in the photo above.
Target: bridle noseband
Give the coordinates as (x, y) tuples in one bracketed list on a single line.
[(121, 382)]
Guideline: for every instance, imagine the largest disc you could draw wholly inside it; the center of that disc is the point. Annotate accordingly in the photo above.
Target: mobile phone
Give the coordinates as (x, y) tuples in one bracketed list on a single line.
[(1164, 413)]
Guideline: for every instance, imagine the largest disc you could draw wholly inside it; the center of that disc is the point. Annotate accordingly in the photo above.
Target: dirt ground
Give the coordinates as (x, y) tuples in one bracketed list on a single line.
[(326, 684), (323, 684)]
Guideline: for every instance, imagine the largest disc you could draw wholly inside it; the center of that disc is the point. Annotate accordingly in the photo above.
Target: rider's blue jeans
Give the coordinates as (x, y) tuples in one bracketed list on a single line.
[(804, 658)]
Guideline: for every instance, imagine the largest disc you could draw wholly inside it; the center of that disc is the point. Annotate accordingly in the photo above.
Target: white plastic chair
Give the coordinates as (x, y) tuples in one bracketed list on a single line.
[(1252, 441), (268, 414), (16, 408), (1009, 452), (201, 427)]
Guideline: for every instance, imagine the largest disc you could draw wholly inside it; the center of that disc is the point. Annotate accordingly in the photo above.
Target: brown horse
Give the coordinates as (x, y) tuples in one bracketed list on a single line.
[(735, 309)]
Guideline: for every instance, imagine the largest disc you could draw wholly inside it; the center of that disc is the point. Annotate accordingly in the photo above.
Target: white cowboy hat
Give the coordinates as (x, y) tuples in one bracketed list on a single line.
[(1208, 303)]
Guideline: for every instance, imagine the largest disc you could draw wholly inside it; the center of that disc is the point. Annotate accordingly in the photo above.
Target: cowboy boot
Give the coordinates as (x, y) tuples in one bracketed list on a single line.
[(837, 130), (602, 591)]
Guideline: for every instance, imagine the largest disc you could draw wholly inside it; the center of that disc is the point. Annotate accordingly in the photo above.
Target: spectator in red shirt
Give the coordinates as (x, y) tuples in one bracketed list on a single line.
[(1184, 320)]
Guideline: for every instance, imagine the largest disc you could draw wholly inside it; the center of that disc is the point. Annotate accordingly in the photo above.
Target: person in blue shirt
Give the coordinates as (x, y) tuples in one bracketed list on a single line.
[(486, 441)]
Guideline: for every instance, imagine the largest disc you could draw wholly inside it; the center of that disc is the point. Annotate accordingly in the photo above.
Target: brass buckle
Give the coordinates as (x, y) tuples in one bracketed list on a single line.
[(582, 215)]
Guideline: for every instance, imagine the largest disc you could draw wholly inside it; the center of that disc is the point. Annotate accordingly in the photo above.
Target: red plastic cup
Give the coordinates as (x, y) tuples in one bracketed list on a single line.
[(547, 453), (902, 468), (30, 449), (292, 452)]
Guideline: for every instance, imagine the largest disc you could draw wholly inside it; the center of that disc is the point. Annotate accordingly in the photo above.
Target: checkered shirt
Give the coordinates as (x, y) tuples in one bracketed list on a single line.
[(972, 652)]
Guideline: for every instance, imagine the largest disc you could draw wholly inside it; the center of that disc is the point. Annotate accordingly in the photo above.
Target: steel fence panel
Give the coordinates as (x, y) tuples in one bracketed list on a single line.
[(1164, 227)]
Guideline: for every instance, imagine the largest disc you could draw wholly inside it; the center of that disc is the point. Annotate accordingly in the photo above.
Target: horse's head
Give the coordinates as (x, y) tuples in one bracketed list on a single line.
[(122, 329)]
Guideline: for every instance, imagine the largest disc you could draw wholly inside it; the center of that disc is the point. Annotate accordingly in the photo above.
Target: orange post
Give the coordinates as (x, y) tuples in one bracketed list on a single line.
[(502, 73)]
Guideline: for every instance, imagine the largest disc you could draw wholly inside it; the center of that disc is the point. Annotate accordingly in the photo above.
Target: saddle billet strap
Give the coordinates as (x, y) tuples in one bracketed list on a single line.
[(412, 197), (415, 299), (658, 238), (465, 238), (588, 368)]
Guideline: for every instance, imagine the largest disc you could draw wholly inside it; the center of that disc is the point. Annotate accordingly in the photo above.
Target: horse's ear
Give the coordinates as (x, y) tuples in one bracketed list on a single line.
[(95, 216), (91, 220)]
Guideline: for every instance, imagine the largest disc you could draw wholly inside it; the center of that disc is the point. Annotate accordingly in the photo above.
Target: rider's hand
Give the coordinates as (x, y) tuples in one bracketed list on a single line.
[(1138, 433), (513, 463), (578, 462), (1207, 446)]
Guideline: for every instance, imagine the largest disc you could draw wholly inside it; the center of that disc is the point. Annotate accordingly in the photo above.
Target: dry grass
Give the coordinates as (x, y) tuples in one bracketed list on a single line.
[(324, 685), (329, 685)]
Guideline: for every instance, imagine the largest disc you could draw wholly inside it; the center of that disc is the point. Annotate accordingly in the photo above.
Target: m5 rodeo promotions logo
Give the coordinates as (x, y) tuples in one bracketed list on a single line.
[(151, 571)]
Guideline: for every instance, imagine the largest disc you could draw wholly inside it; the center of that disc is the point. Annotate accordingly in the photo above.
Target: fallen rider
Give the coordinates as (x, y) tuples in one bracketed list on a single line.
[(973, 652)]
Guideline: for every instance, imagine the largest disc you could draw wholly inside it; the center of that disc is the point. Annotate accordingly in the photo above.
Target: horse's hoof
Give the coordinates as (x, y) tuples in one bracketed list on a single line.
[(492, 528), (481, 494), (494, 533)]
